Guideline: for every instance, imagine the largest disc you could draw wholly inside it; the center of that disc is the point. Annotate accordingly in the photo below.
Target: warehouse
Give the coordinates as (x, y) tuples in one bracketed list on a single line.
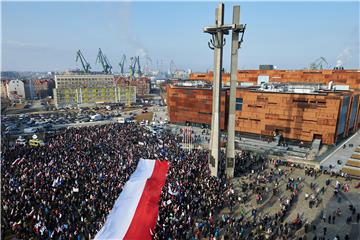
[(297, 111)]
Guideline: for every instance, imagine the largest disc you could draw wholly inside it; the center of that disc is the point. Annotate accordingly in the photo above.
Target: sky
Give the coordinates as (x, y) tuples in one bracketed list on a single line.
[(44, 36)]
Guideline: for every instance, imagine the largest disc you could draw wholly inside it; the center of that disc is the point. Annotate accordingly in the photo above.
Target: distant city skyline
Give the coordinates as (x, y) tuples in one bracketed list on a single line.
[(44, 36)]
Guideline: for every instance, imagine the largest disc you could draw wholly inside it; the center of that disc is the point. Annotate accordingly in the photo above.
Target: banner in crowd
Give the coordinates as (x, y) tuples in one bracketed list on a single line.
[(136, 210)]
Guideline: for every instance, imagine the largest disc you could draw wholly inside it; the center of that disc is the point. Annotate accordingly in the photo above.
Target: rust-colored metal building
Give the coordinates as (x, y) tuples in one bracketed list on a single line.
[(350, 78), (327, 115), (193, 104)]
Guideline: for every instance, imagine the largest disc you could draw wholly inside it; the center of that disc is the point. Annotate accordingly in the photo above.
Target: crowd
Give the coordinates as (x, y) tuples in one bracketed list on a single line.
[(66, 189)]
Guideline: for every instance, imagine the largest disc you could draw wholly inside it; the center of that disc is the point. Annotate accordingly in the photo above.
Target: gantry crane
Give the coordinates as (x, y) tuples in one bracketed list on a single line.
[(86, 66), (104, 62), (318, 64), (122, 64)]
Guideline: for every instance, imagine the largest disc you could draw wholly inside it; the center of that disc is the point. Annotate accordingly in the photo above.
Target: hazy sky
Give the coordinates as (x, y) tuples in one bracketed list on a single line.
[(43, 36)]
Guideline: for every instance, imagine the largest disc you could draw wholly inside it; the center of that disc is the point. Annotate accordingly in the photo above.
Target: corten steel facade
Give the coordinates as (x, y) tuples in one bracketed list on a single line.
[(296, 116), (251, 77), (330, 116), (193, 105)]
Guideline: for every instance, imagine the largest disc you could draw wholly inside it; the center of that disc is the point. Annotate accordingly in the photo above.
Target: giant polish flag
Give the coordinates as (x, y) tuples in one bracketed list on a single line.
[(135, 211)]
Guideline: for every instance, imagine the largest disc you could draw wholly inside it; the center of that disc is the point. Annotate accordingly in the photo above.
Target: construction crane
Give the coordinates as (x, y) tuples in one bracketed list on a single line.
[(122, 64), (86, 66), (318, 64), (104, 62)]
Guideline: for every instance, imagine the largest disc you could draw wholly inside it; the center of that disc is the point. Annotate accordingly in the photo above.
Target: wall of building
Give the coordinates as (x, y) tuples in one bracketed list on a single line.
[(251, 77), (193, 105), (91, 96), (90, 90), (4, 91), (16, 90), (296, 116), (142, 84)]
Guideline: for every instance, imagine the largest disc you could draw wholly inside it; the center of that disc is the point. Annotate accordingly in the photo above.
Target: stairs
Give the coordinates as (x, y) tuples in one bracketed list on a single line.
[(352, 166), (272, 148)]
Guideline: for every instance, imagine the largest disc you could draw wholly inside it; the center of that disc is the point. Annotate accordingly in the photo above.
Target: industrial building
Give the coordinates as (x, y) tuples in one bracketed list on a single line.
[(90, 89), (296, 111), (342, 79)]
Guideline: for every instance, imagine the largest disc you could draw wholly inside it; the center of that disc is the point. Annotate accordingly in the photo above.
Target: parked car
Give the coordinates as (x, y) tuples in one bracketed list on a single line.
[(13, 132), (96, 117), (11, 128), (30, 130)]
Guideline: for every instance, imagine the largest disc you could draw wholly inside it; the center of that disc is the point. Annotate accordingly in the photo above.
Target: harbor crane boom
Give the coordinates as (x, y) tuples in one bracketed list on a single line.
[(122, 64), (104, 62), (86, 66)]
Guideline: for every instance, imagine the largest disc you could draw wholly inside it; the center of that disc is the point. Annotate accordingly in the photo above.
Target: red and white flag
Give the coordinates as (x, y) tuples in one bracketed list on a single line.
[(135, 212)]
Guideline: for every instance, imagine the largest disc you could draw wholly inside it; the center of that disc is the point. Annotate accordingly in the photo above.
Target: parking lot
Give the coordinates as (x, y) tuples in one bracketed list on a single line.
[(27, 124)]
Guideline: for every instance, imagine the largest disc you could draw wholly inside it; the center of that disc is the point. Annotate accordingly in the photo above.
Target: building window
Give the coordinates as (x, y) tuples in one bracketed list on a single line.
[(239, 103)]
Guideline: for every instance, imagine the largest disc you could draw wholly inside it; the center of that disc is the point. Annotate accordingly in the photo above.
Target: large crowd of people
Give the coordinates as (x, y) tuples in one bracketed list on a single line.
[(66, 189)]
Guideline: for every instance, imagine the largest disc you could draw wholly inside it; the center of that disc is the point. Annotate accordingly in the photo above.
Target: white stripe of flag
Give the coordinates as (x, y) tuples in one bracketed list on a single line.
[(136, 209)]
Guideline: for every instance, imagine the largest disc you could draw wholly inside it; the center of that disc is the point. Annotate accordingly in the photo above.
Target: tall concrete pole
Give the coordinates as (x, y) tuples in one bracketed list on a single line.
[(215, 128), (230, 146), (217, 43), (213, 96)]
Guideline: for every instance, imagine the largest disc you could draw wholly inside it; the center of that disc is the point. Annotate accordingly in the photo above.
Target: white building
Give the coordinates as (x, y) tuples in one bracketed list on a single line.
[(16, 90)]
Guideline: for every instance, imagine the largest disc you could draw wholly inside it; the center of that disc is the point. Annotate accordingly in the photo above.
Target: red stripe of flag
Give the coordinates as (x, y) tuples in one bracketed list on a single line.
[(146, 213)]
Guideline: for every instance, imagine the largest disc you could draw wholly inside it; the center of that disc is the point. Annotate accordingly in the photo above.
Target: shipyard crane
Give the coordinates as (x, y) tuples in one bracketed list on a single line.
[(107, 62), (138, 69), (172, 68), (148, 60), (132, 67), (122, 64), (104, 62), (318, 64), (86, 66)]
